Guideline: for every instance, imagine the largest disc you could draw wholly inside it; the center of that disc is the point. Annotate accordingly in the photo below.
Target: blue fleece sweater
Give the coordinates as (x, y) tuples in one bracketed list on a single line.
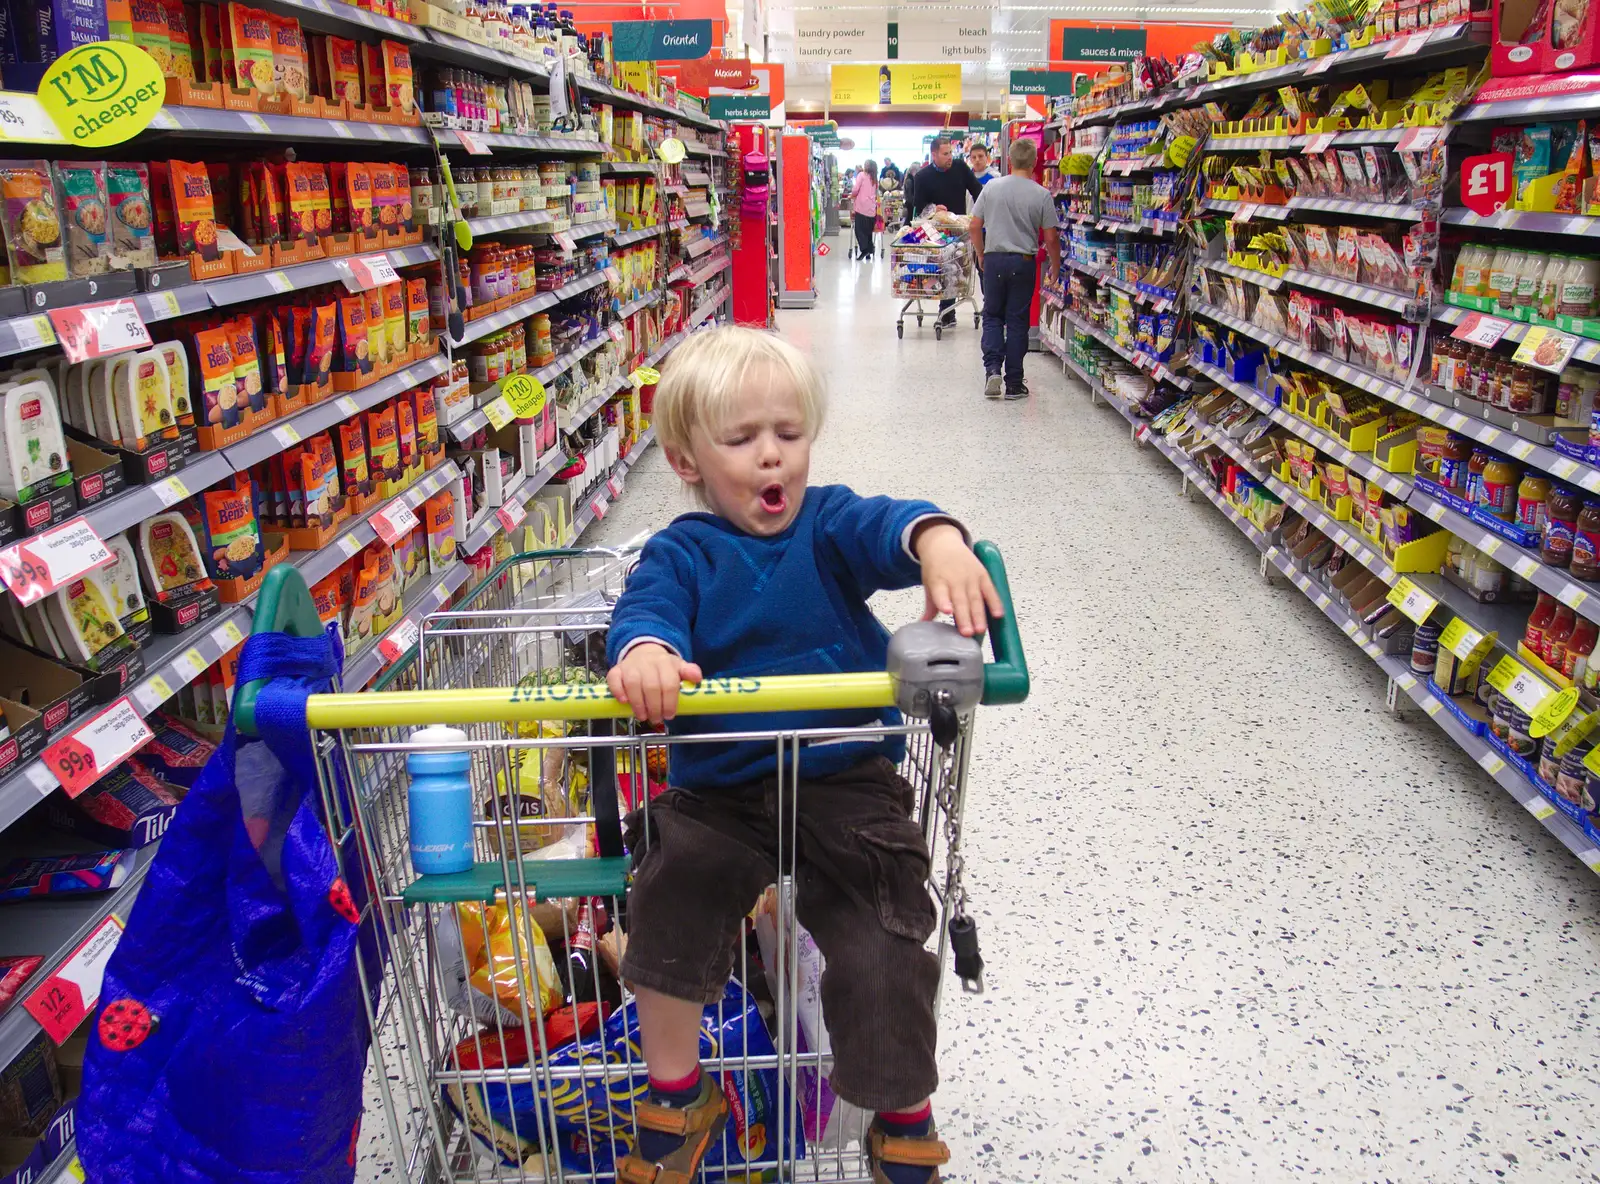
[(794, 603)]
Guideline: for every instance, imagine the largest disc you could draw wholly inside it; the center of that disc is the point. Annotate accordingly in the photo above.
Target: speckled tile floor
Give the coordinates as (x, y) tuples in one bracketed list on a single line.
[(1241, 924)]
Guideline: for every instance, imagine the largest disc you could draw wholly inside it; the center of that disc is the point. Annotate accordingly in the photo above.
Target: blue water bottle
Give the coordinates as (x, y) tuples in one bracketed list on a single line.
[(439, 804)]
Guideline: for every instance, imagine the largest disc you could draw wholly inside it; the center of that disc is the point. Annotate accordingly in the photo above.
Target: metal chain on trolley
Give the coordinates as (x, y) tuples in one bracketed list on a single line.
[(963, 930)]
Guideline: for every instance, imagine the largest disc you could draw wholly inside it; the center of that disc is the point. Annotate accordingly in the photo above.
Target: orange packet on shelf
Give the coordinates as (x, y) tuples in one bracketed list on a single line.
[(373, 87), (250, 38), (377, 335), (289, 73), (397, 76), (192, 206), (394, 316), (181, 39), (358, 189), (151, 33), (344, 69)]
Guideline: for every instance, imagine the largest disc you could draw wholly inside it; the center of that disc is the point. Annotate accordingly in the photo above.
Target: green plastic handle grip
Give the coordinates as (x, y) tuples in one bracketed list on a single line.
[(283, 605), (1005, 680)]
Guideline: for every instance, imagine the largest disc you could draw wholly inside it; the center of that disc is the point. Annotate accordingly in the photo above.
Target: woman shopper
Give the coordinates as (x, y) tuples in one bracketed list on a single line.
[(864, 202)]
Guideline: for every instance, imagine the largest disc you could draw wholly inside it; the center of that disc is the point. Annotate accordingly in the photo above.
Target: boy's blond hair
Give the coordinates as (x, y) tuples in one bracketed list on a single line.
[(706, 373)]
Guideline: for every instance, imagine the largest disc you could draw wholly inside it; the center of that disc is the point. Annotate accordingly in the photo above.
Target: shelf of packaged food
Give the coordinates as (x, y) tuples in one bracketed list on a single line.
[(1270, 282), (320, 416), (337, 16), (583, 230), (463, 52), (522, 490), (318, 565), (1440, 42), (523, 219), (205, 469), (1545, 107), (569, 420), (1134, 292), (1509, 621), (1575, 224), (1257, 209), (645, 301), (705, 309), (214, 122), (476, 420), (1350, 290), (628, 237), (1128, 165), (1347, 139), (361, 668), (640, 447), (1199, 480), (627, 166), (1151, 366), (54, 927), (1575, 594), (1356, 545), (1398, 211), (680, 224), (574, 144), (1588, 348), (716, 267), (1364, 465), (35, 331), (626, 98), (508, 316), (697, 247)]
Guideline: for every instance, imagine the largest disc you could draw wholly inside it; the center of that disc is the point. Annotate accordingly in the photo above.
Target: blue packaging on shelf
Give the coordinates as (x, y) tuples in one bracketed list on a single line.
[(65, 875), (1473, 725), (1574, 449)]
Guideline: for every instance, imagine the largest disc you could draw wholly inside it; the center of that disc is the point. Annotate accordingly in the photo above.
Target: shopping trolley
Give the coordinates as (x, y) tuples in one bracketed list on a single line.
[(505, 1048), (932, 271)]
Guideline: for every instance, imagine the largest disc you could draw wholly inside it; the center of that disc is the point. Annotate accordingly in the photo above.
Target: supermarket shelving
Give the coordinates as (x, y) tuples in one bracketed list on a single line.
[(524, 219), (583, 230), (1573, 224), (508, 316), (1588, 348), (1145, 362), (620, 167), (213, 123), (628, 237)]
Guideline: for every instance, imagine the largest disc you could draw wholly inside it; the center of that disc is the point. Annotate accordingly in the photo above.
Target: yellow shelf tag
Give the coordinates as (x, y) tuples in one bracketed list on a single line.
[(1412, 600), (1553, 712), (498, 412), (1580, 731), (1519, 684)]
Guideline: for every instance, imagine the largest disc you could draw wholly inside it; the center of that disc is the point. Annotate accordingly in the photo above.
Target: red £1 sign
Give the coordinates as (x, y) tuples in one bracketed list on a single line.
[(1486, 183)]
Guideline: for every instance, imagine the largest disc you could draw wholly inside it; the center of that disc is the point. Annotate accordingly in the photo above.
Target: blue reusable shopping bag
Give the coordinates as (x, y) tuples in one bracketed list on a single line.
[(231, 1038)]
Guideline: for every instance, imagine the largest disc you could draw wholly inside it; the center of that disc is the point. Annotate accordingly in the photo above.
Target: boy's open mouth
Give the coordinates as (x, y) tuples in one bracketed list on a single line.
[(773, 500)]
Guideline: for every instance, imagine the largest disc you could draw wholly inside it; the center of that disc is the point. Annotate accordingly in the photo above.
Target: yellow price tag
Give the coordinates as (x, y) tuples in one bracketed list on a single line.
[(158, 688), (102, 93), (1592, 761), (671, 150), (1553, 712), (1181, 148), (645, 376), (525, 393), (1412, 600), (1459, 638), (499, 413), (231, 631), (75, 1171), (1577, 733), (1519, 684)]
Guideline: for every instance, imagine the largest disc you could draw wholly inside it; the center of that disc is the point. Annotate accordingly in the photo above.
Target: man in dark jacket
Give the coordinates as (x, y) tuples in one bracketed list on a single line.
[(944, 183)]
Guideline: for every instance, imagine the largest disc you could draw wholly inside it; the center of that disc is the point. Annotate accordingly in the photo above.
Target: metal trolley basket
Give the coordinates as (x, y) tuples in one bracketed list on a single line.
[(931, 271), (504, 1047)]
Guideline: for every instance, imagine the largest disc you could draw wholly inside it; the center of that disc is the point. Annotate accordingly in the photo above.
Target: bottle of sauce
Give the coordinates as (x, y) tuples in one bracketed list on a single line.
[(1453, 465), (1579, 649), (1558, 637), (1586, 543), (1500, 488), (1544, 612), (1475, 467), (1561, 521), (1531, 497)]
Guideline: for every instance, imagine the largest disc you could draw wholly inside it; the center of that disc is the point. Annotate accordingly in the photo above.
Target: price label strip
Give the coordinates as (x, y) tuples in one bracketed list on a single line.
[(511, 515), (400, 639), (94, 748), (370, 271), (94, 330), (1480, 330), (1412, 600), (498, 412), (1519, 684), (394, 522), (37, 567), (67, 997)]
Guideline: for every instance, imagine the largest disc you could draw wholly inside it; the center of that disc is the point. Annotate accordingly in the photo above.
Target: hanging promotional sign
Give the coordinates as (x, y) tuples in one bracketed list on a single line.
[(859, 86), (1041, 82), (660, 41), (983, 126), (1101, 45), (844, 35), (710, 76), (102, 93), (741, 107), (925, 84)]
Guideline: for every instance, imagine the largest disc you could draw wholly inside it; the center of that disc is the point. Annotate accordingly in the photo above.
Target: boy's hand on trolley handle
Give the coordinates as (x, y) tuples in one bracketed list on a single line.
[(954, 581), (647, 680)]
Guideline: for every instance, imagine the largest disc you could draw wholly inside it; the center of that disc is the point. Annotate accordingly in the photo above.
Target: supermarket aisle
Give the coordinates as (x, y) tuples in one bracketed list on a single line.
[(1240, 922)]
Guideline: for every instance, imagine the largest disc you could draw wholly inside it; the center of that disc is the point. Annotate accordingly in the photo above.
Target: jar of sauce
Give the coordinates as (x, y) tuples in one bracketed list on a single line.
[(1544, 611), (1580, 649), (1561, 521), (1475, 467), (1453, 465), (1531, 497), (1500, 488), (1557, 637), (1586, 543)]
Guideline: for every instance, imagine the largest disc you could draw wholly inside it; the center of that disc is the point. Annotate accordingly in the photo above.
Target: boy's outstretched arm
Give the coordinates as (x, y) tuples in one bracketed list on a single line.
[(954, 582), (649, 646)]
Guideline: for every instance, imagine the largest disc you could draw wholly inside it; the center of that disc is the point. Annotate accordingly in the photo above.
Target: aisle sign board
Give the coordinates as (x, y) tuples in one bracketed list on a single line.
[(1101, 45), (983, 126), (931, 36), (741, 107), (925, 84), (660, 41), (1054, 83), (845, 35)]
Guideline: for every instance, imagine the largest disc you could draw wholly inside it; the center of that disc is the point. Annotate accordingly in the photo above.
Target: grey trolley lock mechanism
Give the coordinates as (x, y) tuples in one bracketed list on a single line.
[(938, 676)]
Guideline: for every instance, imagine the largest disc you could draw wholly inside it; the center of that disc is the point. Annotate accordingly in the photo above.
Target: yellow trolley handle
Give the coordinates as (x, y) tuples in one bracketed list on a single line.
[(1005, 682)]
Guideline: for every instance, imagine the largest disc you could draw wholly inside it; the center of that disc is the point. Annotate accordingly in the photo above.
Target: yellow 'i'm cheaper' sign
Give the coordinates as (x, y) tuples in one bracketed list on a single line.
[(102, 93)]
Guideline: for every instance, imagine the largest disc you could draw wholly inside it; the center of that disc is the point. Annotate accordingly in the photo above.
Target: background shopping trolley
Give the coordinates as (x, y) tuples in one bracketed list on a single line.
[(505, 1049), (930, 271)]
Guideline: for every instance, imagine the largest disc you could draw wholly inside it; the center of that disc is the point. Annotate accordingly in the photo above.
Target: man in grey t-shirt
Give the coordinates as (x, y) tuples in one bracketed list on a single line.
[(1006, 224)]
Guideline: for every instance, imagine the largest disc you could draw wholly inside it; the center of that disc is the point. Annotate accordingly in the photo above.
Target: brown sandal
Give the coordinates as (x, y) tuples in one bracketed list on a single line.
[(698, 1124), (922, 1152)]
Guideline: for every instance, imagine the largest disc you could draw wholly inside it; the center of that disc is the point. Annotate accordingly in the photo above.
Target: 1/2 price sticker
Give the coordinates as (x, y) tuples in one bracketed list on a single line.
[(370, 271), (1480, 330), (511, 515), (94, 330), (399, 639), (1412, 600), (394, 522), (37, 567), (82, 757), (65, 999)]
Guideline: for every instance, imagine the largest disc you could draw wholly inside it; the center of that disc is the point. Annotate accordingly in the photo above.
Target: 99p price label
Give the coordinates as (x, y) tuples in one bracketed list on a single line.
[(94, 748), (37, 567)]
